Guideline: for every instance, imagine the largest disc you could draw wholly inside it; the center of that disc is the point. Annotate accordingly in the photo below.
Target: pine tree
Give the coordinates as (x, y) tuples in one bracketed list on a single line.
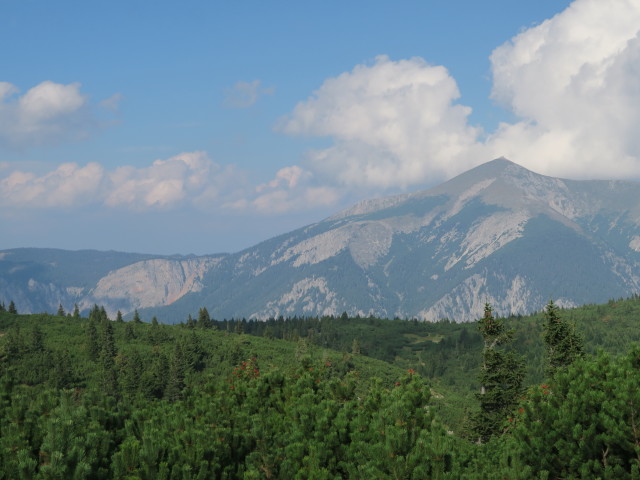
[(501, 377), (12, 308), (60, 312), (108, 374), (136, 317), (109, 378), (563, 344), (129, 332), (94, 313), (37, 340), (119, 317), (131, 367), (108, 340), (93, 349), (61, 373), (204, 320), (154, 378), (178, 366), (76, 311), (155, 334), (2, 307)]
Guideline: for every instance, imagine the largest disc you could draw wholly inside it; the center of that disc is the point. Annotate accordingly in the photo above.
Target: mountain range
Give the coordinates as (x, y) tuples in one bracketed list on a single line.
[(498, 233)]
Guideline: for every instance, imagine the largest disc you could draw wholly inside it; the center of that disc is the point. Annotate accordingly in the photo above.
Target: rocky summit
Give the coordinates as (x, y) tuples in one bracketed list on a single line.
[(498, 233)]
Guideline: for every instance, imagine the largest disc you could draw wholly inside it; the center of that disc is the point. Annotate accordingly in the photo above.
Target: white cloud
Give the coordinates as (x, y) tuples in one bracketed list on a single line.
[(185, 178), (188, 179), (112, 103), (245, 94), (68, 185), (395, 123), (48, 113), (574, 82), (292, 189)]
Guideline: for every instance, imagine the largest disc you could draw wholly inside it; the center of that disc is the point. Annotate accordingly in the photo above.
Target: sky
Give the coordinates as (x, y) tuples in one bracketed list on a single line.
[(202, 127)]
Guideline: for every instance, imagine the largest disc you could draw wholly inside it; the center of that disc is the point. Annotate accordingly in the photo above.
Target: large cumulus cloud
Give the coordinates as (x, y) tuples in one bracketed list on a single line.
[(394, 124), (572, 83)]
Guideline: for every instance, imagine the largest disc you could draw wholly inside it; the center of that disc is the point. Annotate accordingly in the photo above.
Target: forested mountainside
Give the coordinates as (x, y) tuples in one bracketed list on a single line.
[(498, 233), (94, 398)]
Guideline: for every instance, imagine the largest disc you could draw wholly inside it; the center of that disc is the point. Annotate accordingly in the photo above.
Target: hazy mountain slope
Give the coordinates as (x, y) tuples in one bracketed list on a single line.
[(39, 280), (497, 233)]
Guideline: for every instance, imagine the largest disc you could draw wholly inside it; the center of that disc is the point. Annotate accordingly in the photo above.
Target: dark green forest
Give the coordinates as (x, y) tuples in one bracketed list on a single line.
[(554, 395)]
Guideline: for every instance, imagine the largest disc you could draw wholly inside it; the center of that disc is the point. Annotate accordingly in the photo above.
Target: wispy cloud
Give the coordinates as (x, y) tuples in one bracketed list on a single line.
[(189, 179), (112, 103), (246, 94)]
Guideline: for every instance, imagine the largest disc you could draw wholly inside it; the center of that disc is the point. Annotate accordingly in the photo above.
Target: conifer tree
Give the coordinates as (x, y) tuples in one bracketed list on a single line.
[(131, 367), (91, 340), (563, 344), (108, 340), (12, 308), (2, 307), (178, 367), (129, 332), (136, 316), (61, 375), (37, 340), (109, 379), (76, 311), (119, 317), (155, 334), (94, 313), (204, 320), (60, 312), (501, 377)]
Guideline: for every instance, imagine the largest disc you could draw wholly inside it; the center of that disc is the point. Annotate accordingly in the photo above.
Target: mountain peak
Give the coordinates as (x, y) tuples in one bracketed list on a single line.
[(498, 233)]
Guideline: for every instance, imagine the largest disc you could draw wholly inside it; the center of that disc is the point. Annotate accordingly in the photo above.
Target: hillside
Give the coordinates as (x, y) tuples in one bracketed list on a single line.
[(90, 398)]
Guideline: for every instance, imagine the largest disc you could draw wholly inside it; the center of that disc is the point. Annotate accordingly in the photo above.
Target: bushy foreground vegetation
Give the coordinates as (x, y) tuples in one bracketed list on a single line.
[(93, 398)]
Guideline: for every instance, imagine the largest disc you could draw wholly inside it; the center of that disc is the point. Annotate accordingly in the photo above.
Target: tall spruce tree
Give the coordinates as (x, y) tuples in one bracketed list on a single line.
[(12, 308), (501, 377), (204, 320), (108, 373), (563, 344), (91, 340)]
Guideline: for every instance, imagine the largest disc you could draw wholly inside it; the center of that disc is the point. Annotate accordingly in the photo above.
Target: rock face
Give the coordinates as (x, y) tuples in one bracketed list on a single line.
[(498, 233), (149, 283), (40, 279)]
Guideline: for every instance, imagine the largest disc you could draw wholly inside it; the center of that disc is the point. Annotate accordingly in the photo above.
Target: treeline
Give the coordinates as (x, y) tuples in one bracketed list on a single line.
[(94, 398)]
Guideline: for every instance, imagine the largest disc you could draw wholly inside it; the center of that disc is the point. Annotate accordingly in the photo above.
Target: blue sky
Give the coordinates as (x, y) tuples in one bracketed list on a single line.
[(201, 127)]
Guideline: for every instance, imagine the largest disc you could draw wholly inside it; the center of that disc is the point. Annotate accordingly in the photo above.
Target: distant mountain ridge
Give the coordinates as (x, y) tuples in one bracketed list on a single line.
[(498, 233)]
